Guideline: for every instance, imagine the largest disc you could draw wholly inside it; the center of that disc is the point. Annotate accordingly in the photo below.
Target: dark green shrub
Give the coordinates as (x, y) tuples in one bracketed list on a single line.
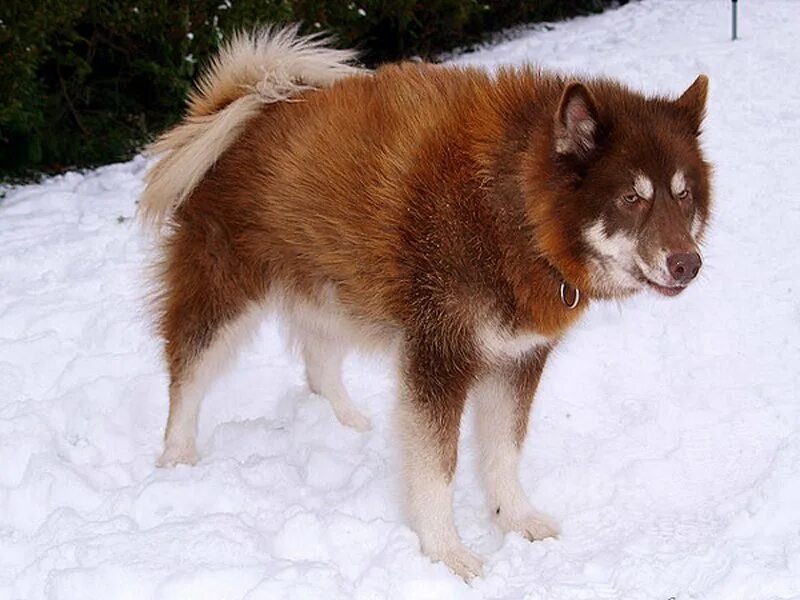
[(85, 82)]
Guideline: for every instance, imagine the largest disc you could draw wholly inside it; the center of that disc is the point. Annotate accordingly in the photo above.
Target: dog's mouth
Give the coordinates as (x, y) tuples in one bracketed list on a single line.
[(665, 290)]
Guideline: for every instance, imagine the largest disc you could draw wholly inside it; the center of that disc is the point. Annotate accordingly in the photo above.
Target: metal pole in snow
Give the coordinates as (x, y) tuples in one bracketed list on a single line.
[(734, 4)]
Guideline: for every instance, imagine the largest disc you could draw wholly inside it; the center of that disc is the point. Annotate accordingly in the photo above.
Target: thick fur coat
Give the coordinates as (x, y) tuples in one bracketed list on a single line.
[(460, 218)]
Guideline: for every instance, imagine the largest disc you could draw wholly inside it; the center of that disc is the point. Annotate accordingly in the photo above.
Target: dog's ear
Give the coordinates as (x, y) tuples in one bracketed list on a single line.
[(576, 126), (693, 102)]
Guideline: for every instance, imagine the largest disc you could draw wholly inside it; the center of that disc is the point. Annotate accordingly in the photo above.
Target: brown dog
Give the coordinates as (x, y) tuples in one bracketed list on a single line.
[(463, 219)]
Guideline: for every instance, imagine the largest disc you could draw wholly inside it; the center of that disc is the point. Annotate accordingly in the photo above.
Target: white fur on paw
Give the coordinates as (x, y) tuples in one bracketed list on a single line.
[(177, 455), (531, 525), (355, 420), (460, 560)]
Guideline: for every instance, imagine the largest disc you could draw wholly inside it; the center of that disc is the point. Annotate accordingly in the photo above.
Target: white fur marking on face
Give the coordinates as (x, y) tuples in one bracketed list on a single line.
[(657, 273), (618, 246), (611, 271), (678, 183), (643, 186)]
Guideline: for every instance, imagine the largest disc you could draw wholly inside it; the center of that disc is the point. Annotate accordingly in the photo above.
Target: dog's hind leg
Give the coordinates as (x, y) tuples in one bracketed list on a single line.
[(205, 318), (323, 358), (503, 400), (200, 350)]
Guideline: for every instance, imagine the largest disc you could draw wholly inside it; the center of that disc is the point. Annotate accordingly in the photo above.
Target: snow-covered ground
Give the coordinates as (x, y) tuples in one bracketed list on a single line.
[(665, 437)]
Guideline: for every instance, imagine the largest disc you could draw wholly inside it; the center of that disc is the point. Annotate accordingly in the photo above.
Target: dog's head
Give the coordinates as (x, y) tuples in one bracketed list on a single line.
[(632, 187)]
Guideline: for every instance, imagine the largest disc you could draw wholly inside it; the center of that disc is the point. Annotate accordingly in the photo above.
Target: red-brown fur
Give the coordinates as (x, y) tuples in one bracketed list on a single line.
[(431, 200)]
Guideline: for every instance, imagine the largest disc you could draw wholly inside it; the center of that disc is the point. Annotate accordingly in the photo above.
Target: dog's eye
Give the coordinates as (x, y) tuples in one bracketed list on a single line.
[(684, 194), (631, 198)]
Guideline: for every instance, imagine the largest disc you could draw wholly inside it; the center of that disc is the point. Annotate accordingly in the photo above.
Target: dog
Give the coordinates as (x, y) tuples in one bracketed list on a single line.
[(463, 219)]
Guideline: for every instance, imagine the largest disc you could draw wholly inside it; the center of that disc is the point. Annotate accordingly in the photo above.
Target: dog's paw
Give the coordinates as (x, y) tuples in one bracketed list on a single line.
[(460, 560), (178, 455), (354, 419), (532, 525)]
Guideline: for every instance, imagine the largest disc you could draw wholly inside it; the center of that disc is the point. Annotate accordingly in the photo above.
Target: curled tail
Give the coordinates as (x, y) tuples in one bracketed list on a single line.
[(254, 68)]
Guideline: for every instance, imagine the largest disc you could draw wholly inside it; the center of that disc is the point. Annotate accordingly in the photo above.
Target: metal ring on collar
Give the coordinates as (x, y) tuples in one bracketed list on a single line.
[(575, 301)]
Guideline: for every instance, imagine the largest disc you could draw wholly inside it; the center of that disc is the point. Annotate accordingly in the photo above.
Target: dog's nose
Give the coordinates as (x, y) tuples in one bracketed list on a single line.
[(684, 266)]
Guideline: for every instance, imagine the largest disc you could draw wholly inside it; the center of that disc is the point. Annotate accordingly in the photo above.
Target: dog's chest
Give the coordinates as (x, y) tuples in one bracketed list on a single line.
[(498, 342)]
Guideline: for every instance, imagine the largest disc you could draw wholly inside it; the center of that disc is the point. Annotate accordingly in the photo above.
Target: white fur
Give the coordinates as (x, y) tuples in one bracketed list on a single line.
[(180, 444), (497, 342), (659, 273), (429, 501), (496, 428), (324, 330), (187, 152), (564, 146), (272, 63), (643, 186), (324, 317), (678, 183), (269, 65), (611, 271), (319, 325), (324, 357)]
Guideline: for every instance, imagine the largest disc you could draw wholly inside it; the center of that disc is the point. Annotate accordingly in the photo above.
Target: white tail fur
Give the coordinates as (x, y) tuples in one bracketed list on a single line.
[(254, 68)]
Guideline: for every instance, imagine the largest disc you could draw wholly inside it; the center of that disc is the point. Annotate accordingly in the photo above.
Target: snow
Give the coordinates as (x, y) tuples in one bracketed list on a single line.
[(664, 438)]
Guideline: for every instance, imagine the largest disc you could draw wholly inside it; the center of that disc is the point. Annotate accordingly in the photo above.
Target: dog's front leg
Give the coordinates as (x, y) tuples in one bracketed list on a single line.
[(433, 391), (503, 399)]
